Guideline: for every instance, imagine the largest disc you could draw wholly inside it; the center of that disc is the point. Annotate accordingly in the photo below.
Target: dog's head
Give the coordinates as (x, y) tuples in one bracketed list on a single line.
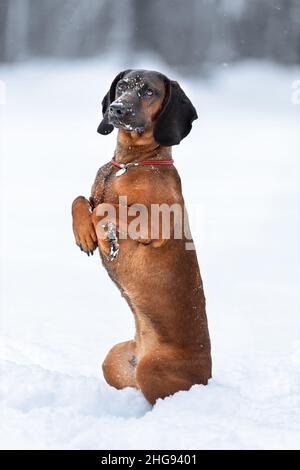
[(142, 99)]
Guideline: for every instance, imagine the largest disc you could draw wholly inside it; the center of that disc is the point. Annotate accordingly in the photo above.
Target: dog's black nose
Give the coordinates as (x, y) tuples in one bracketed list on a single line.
[(118, 109)]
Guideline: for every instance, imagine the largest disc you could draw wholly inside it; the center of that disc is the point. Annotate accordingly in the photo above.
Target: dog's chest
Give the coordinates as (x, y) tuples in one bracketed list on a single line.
[(110, 186)]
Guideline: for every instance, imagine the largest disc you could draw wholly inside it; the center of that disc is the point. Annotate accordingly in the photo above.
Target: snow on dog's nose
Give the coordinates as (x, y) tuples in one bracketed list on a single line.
[(117, 109)]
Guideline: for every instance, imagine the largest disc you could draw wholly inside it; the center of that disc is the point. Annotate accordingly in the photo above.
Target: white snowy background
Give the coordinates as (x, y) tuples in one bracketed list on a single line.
[(60, 313)]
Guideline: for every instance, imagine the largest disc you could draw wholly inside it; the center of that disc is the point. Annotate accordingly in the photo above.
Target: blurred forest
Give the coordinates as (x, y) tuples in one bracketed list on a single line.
[(184, 33)]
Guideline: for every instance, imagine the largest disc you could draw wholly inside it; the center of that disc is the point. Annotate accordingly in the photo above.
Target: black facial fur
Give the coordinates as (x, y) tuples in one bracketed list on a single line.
[(105, 127)]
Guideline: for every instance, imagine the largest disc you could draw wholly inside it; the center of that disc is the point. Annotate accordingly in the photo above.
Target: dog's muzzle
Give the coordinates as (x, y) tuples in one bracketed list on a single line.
[(119, 109)]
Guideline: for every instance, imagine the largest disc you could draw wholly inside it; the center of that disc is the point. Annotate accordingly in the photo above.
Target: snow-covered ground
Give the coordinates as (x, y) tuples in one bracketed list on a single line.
[(60, 313)]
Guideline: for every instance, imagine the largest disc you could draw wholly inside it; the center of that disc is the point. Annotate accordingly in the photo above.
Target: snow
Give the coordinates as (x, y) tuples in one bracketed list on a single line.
[(60, 313)]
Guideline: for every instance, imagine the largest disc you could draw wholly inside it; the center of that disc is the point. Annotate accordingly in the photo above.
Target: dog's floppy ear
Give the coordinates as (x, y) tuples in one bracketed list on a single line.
[(105, 127), (174, 121)]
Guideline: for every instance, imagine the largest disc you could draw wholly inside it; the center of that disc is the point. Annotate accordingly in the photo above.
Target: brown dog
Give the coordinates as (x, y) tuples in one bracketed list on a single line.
[(158, 277)]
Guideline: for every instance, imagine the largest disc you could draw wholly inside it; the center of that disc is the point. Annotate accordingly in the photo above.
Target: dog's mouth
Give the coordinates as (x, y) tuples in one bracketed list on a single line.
[(128, 127)]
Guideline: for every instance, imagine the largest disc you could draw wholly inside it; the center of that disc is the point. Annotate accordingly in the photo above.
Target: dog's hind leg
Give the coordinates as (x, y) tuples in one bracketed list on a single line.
[(162, 373), (119, 365)]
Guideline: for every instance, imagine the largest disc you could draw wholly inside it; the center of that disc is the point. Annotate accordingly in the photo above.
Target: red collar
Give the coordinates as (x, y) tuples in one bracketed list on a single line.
[(125, 166)]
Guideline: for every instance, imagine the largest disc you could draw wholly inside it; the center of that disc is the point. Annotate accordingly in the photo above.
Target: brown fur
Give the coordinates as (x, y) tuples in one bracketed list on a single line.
[(160, 279)]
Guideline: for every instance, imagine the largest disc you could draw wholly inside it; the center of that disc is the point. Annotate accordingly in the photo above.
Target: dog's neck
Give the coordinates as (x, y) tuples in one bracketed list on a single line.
[(134, 147)]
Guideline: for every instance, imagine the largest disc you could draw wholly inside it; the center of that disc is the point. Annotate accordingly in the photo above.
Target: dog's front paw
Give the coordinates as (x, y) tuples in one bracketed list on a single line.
[(85, 237), (83, 228)]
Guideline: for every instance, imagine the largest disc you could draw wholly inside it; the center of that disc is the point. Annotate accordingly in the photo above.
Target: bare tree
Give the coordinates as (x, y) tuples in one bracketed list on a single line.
[(184, 33)]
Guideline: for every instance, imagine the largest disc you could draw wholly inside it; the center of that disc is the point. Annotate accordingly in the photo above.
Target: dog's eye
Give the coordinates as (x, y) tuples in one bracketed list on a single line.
[(149, 92)]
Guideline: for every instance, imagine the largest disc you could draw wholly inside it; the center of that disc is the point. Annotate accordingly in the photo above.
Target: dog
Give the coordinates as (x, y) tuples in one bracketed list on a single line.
[(159, 278)]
